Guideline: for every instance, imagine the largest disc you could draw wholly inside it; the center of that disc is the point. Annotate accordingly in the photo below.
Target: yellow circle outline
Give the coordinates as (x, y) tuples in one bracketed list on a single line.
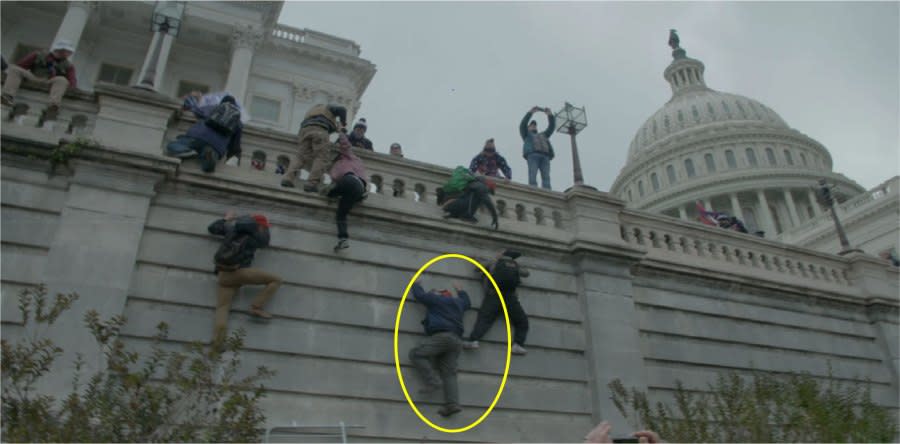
[(508, 344)]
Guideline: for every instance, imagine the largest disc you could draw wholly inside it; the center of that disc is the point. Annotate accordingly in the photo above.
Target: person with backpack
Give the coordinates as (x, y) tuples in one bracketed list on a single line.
[(314, 149), (348, 187), (443, 329), (46, 67), (464, 194), (508, 275), (536, 148), (216, 134), (242, 237)]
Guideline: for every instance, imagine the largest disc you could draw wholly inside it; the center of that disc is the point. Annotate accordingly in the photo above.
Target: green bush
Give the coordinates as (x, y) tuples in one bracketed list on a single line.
[(763, 408), (168, 396)]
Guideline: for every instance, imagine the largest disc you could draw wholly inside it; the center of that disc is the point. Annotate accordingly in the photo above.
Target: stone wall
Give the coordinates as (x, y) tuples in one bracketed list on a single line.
[(613, 293)]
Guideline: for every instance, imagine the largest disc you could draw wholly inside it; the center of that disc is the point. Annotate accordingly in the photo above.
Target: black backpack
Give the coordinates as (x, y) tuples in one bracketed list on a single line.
[(228, 256), (225, 118), (506, 273)]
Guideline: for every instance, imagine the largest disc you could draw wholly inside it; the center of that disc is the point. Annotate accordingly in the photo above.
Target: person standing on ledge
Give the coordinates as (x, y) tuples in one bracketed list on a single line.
[(536, 149)]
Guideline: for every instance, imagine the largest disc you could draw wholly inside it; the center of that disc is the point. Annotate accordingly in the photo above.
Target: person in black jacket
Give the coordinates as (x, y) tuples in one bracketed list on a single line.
[(444, 328), (246, 234), (477, 193), (490, 305)]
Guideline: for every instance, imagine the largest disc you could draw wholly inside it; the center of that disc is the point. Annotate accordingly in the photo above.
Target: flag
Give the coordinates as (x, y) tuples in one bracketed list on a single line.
[(708, 217)]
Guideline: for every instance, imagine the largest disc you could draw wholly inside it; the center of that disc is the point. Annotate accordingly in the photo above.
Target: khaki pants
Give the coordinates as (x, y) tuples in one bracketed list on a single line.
[(443, 348), (230, 282), (16, 73), (313, 154)]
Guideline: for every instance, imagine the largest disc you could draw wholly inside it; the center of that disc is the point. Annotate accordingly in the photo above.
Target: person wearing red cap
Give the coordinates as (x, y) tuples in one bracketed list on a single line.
[(243, 236), (443, 329)]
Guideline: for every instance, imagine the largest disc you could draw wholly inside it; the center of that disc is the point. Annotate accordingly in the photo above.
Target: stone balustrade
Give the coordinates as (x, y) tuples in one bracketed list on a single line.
[(315, 38)]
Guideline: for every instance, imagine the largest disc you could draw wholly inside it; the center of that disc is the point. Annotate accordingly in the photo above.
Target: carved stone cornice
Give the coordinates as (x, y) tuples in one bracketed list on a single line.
[(246, 36)]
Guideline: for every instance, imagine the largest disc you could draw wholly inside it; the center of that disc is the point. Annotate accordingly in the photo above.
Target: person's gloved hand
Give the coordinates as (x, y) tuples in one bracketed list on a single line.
[(494, 224)]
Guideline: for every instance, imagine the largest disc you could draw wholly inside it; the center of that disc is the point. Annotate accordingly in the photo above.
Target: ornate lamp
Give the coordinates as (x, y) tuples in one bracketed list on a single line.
[(571, 120), (166, 20), (826, 199)]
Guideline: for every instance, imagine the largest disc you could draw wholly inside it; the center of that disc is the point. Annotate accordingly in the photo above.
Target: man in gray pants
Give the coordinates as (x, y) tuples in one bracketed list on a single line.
[(444, 328)]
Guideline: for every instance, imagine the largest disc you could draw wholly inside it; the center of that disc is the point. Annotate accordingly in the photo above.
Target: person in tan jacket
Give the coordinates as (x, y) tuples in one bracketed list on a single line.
[(314, 149)]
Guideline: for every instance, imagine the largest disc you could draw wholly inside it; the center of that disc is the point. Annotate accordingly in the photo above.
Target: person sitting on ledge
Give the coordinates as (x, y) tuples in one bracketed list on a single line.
[(216, 134), (53, 68)]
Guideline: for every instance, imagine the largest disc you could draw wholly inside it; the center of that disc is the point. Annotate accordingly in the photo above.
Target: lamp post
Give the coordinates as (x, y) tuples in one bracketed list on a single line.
[(826, 199), (571, 120), (166, 21)]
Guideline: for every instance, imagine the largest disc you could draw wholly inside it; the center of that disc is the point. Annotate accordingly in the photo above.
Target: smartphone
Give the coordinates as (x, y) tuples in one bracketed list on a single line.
[(628, 439)]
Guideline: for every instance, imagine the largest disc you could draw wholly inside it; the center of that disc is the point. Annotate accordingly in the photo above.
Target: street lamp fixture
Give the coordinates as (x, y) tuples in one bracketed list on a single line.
[(166, 20), (571, 120), (825, 196)]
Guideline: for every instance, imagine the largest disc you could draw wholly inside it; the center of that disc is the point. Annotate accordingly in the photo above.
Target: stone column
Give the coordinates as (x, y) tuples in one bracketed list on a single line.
[(244, 41), (93, 253), (767, 222), (736, 207), (792, 208), (817, 210), (74, 21), (162, 59), (682, 213)]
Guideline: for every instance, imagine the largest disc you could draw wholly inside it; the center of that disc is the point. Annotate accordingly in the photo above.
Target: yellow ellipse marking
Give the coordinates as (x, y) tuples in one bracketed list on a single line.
[(508, 344)]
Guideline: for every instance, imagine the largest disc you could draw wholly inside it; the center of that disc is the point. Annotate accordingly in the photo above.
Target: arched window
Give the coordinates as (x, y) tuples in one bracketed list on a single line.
[(655, 181), (689, 167), (641, 188), (751, 157), (729, 158), (788, 157), (803, 159), (770, 155), (630, 199), (710, 163), (670, 171)]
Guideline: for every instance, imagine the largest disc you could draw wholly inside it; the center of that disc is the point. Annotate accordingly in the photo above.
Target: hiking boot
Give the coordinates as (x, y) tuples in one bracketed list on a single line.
[(342, 244), (8, 100), (51, 113), (258, 312), (287, 183), (208, 159), (449, 409), (311, 188), (429, 389), (518, 350), (470, 345)]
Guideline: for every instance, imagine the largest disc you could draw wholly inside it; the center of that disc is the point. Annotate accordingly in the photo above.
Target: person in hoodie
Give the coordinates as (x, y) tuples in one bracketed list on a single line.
[(242, 237), (443, 329), (211, 143), (348, 187)]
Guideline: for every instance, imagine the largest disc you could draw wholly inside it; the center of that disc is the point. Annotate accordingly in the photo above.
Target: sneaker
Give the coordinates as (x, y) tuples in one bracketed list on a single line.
[(518, 349), (8, 100), (287, 183), (260, 313), (470, 345), (429, 389), (311, 188), (449, 409), (342, 244), (208, 159)]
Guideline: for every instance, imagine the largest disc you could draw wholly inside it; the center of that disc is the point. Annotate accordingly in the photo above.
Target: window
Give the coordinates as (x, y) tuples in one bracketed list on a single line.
[(750, 220), (729, 158), (641, 188), (803, 159), (119, 75), (630, 199), (670, 171), (810, 212), (775, 219), (21, 51), (689, 167), (654, 179), (770, 155), (751, 157), (185, 87), (710, 163), (265, 109), (788, 158)]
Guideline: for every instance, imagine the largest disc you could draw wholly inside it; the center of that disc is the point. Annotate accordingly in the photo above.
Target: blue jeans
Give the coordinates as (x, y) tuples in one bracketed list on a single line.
[(184, 146), (539, 161)]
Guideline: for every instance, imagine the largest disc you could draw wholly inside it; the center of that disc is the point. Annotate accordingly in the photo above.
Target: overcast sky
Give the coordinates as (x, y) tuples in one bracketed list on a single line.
[(453, 74)]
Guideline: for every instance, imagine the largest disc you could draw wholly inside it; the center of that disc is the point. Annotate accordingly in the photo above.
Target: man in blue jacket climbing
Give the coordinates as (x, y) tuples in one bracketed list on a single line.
[(444, 328)]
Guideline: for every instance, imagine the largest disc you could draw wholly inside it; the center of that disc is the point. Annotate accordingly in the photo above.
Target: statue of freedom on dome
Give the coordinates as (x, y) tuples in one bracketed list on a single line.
[(673, 39)]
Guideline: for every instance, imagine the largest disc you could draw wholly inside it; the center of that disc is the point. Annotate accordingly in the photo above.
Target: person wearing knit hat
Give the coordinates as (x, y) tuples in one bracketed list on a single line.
[(243, 235), (442, 343), (45, 67), (536, 147), (358, 136), (490, 163)]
